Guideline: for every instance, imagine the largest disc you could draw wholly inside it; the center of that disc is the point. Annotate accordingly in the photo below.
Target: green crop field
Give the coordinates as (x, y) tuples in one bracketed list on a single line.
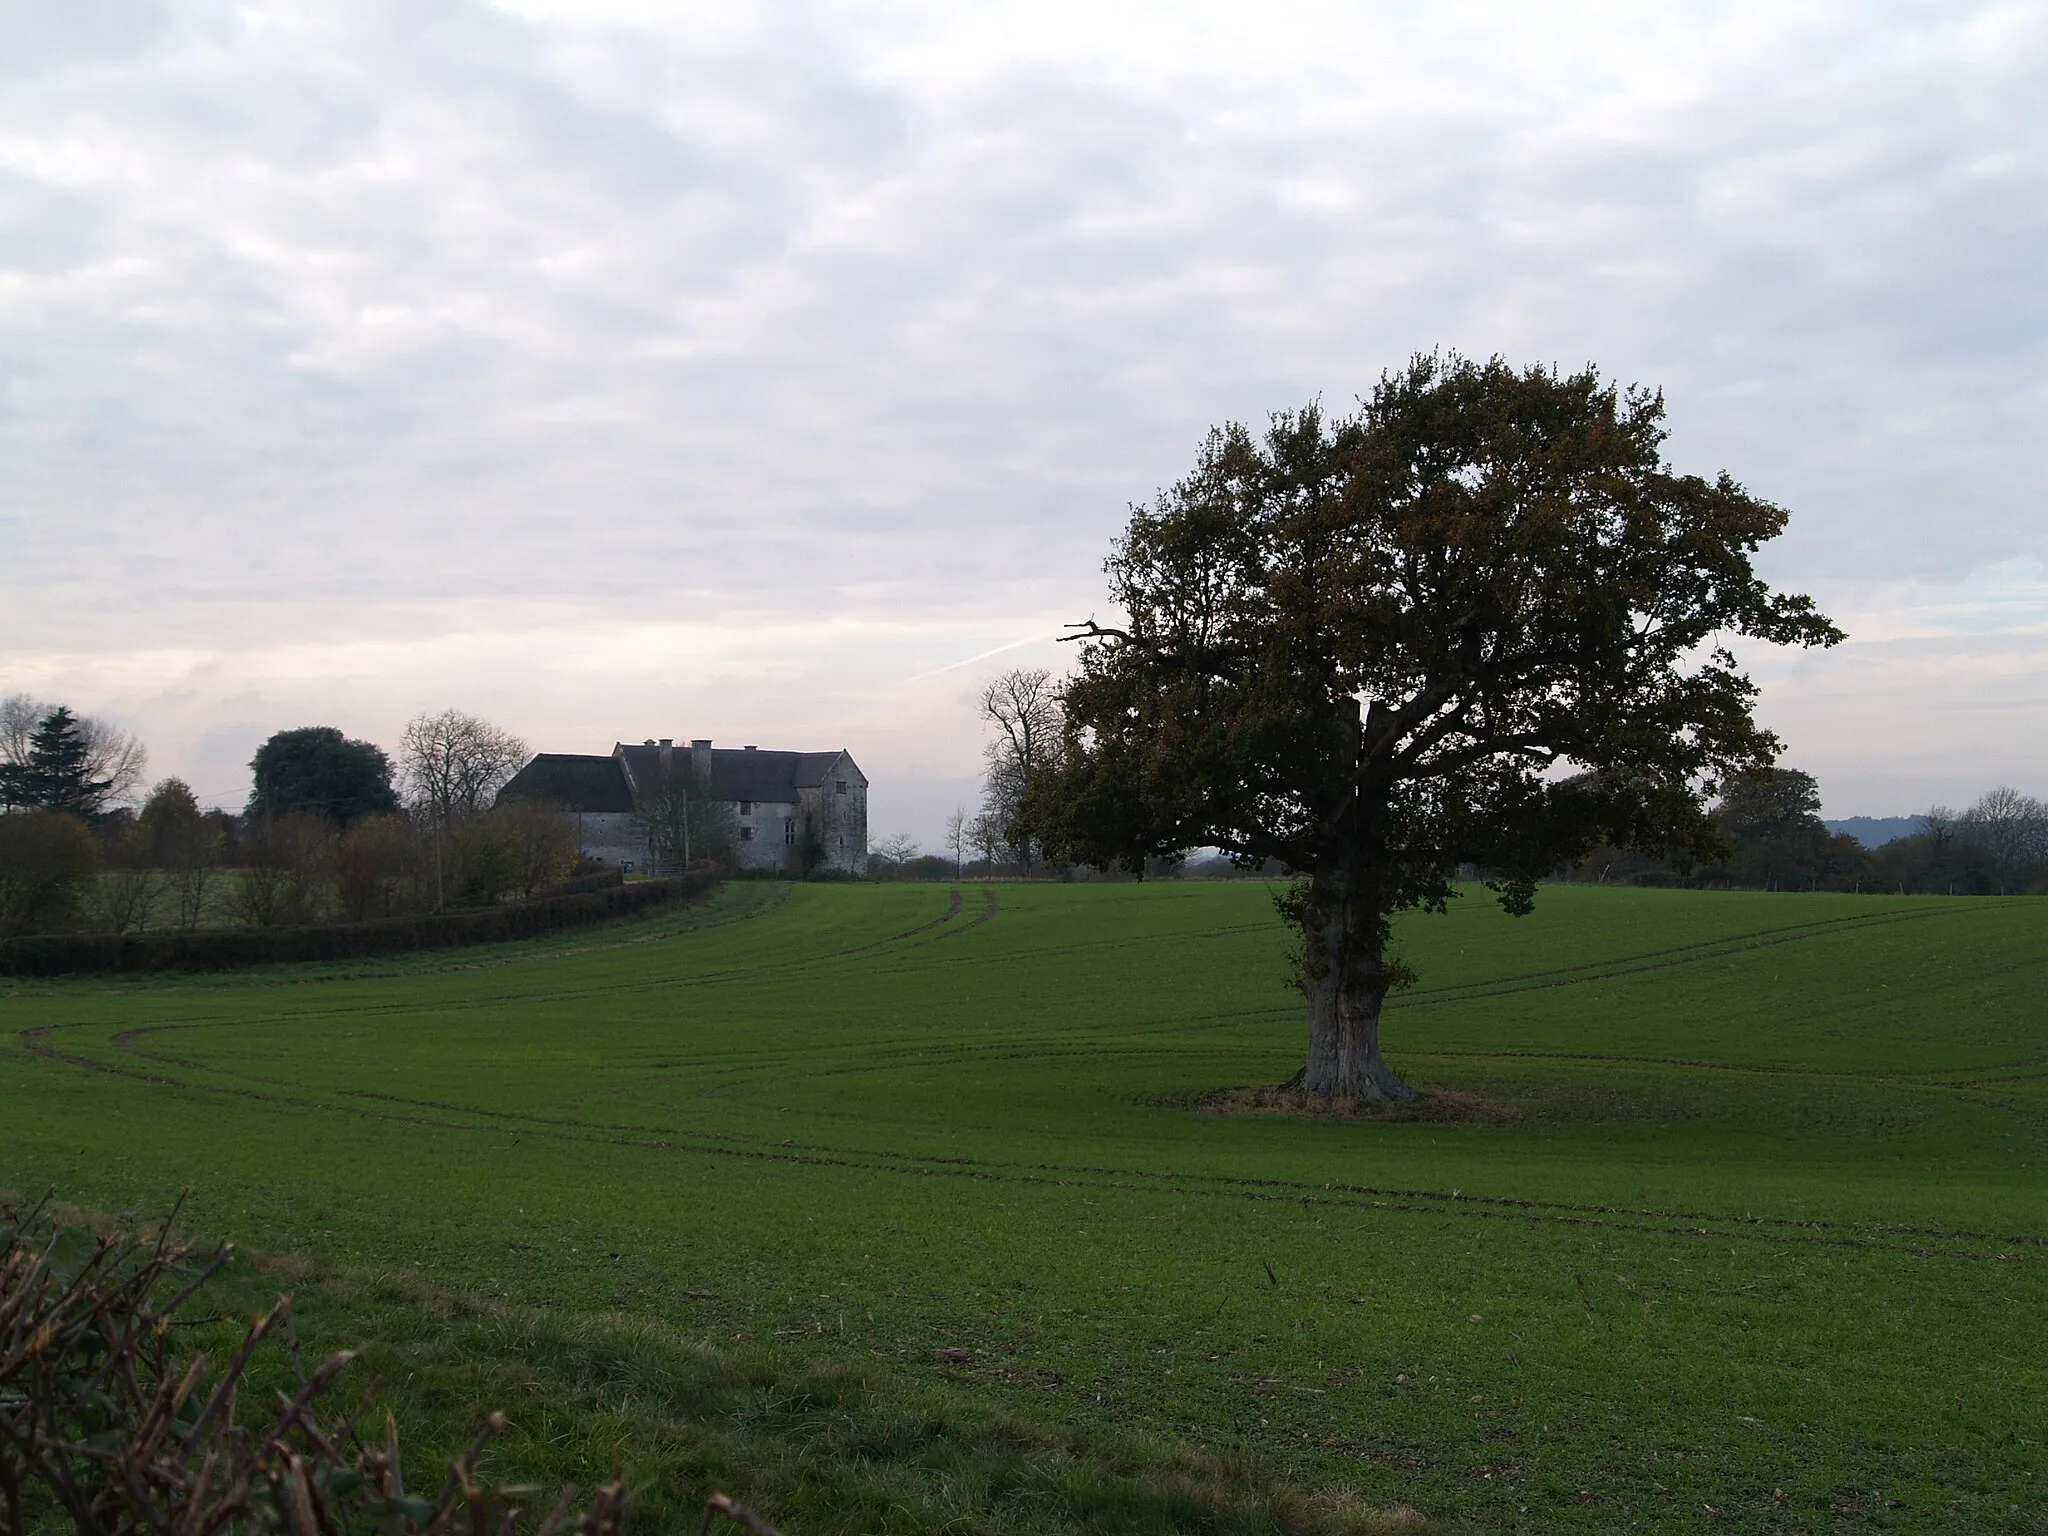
[(1759, 1239)]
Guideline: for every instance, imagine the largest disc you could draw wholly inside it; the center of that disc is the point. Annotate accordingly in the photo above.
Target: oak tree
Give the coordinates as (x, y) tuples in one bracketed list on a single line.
[(1480, 621), (317, 771)]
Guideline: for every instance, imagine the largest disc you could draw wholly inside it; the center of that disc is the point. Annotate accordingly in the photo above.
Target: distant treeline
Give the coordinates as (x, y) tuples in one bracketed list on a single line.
[(1777, 841), (326, 837)]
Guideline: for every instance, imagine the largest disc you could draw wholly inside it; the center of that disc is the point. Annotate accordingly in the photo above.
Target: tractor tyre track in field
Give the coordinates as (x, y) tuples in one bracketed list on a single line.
[(1643, 962), (442, 1115), (425, 1114), (1658, 960), (124, 1040), (988, 911)]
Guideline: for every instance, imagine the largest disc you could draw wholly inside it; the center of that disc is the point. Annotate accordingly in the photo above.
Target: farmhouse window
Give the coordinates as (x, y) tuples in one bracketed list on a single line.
[(746, 834), (789, 833), (746, 807), (841, 788)]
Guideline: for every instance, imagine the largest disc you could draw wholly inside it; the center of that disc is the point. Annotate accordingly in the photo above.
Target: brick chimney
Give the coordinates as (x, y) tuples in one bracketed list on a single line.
[(700, 758), (668, 755)]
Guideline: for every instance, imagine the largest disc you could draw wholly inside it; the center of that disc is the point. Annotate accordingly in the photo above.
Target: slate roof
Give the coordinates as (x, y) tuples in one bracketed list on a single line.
[(739, 774), (576, 780), (582, 782)]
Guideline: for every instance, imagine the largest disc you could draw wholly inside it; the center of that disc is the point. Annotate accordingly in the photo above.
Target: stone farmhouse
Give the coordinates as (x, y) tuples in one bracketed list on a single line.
[(772, 796)]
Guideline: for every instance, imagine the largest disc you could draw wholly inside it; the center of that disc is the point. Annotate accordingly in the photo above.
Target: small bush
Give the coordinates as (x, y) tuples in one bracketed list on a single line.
[(47, 859), (106, 1428)]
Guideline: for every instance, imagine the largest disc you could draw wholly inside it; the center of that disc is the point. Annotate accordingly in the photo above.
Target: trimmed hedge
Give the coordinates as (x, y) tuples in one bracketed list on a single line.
[(65, 954), (603, 880)]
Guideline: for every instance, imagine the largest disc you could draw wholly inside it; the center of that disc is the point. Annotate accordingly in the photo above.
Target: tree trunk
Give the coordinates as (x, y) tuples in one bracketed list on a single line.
[(1345, 981)]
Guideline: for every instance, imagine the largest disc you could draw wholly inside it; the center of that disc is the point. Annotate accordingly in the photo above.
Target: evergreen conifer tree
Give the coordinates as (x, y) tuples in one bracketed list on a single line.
[(56, 775)]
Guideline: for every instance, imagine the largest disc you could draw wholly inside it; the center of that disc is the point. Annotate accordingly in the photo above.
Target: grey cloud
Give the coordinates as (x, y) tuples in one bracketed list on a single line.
[(313, 320), (42, 40)]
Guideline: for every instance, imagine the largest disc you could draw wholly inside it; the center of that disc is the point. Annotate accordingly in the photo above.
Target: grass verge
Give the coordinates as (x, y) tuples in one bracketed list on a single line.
[(817, 1445)]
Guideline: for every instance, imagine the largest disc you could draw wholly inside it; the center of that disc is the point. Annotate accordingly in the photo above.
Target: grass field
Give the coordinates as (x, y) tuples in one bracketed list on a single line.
[(1765, 1246)]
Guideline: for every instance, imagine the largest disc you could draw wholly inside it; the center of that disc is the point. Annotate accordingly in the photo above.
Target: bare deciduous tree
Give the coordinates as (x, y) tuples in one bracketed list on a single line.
[(372, 860), (985, 837), (895, 850), (2009, 830), (287, 874), (184, 844), (19, 716), (126, 892), (682, 821), (454, 762), (541, 840), (957, 837), (1024, 707)]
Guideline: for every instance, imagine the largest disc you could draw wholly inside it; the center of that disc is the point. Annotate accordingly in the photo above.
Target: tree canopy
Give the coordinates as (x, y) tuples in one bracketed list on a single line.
[(1479, 621), (54, 770), (317, 770), (113, 759)]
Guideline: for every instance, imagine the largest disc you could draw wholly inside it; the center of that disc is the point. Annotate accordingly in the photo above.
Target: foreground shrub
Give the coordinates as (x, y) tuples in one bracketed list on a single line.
[(47, 860), (103, 1424)]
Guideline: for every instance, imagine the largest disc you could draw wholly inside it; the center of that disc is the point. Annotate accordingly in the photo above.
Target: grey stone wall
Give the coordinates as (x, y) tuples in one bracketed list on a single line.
[(842, 817), (610, 835), (766, 840), (776, 828)]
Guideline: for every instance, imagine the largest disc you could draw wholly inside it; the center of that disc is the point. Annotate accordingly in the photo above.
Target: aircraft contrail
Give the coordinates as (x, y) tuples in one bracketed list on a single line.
[(968, 661)]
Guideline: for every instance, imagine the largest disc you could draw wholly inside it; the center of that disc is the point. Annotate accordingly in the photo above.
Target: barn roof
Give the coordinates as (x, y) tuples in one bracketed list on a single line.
[(576, 781), (745, 773), (583, 782)]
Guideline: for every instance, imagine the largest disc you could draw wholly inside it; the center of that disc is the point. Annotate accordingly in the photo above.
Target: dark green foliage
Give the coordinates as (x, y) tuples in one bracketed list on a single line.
[(237, 949), (1365, 648), (56, 774), (1772, 838), (810, 851), (174, 825), (47, 859), (319, 771), (1932, 863)]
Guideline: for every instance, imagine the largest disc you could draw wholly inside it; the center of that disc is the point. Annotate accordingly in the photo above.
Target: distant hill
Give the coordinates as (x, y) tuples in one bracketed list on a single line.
[(1876, 831)]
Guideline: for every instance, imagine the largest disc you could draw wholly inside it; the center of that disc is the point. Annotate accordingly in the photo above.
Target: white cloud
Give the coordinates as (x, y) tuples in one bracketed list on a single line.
[(380, 355)]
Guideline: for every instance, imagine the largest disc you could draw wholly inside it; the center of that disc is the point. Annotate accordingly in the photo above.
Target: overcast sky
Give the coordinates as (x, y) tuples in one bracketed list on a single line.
[(757, 371)]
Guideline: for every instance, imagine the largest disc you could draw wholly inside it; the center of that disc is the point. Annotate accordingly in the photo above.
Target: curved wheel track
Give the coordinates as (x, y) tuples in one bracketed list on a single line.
[(137, 1056)]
